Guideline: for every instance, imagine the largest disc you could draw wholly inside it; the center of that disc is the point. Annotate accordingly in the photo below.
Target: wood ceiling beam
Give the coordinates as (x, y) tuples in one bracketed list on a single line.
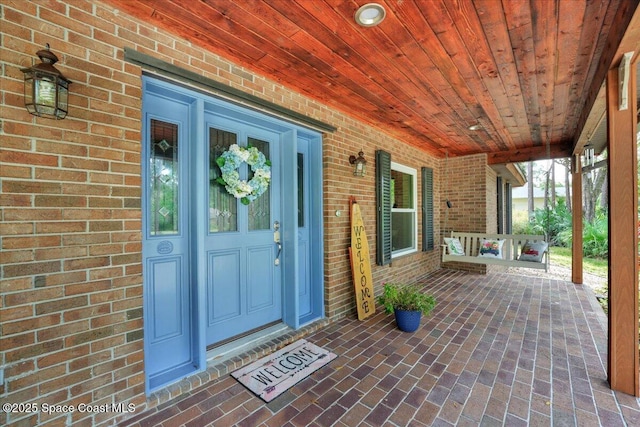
[(529, 154)]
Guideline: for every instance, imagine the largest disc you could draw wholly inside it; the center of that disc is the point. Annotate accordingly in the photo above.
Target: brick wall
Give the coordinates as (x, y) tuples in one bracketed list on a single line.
[(339, 184), (71, 305), (71, 285), (466, 187), (470, 185), (491, 195)]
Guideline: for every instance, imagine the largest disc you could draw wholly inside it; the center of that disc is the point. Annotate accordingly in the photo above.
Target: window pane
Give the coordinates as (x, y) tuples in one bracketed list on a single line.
[(401, 190), (223, 207), (260, 208), (402, 226), (163, 173)]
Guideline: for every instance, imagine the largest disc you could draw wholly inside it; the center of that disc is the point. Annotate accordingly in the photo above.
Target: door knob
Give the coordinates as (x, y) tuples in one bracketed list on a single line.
[(276, 239), (276, 232)]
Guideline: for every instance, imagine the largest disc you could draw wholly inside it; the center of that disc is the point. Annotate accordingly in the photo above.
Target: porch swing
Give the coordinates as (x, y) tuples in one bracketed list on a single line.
[(508, 250)]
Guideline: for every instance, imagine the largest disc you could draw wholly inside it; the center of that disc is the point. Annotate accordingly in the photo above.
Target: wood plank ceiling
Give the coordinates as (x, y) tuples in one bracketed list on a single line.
[(524, 70)]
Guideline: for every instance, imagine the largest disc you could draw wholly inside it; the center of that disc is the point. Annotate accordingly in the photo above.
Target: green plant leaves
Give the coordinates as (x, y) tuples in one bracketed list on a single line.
[(406, 297)]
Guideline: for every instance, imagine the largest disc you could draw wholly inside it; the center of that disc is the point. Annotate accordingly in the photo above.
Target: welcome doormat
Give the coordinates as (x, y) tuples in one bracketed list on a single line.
[(274, 374)]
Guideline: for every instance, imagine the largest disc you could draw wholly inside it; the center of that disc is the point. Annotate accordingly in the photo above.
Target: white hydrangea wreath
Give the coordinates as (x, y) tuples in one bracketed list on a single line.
[(230, 161)]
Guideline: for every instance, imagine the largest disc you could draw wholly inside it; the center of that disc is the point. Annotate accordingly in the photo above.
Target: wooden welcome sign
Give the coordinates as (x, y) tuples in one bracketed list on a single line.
[(361, 264)]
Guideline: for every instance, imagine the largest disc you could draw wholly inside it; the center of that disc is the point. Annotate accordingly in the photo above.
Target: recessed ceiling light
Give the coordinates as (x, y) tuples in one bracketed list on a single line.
[(370, 14), (475, 127)]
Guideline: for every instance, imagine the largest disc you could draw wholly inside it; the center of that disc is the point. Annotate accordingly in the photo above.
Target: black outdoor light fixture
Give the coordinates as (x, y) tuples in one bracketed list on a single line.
[(46, 90), (360, 164)]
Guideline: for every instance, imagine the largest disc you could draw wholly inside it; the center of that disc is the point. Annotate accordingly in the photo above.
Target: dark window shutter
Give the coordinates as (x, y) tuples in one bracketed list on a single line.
[(508, 210), (383, 201), (500, 191), (428, 240)]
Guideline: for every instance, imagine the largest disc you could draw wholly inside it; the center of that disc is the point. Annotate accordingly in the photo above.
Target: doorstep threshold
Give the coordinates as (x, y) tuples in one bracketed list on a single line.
[(246, 343)]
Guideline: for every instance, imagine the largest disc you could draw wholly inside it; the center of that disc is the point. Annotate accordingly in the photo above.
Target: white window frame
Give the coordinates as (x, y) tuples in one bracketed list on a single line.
[(414, 174)]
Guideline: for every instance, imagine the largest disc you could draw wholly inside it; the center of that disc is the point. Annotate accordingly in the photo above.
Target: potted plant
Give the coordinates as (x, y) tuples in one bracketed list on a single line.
[(408, 303)]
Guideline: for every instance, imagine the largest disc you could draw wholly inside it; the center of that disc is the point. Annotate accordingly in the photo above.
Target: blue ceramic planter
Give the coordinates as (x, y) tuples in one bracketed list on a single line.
[(408, 321)]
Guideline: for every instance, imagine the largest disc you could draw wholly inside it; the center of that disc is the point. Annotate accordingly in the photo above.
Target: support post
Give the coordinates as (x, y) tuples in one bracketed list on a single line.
[(623, 239), (576, 213)]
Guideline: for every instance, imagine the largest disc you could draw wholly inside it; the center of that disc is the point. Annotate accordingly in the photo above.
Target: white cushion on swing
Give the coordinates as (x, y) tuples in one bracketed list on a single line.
[(533, 251), (455, 247)]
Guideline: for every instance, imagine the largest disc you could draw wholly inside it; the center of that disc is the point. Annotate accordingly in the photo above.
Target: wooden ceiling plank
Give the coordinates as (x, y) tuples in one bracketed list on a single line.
[(494, 24), (138, 9), (519, 24), (351, 37), (571, 18), (598, 19), (236, 22), (292, 67), (407, 13), (189, 25), (415, 65), (268, 22), (460, 101), (308, 49), (455, 95), (334, 52), (229, 43), (435, 103), (422, 51), (168, 20), (528, 69), (479, 66), (449, 34), (544, 25)]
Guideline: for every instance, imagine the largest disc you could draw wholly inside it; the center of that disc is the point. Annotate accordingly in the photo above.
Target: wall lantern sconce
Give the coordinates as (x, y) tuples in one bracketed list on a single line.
[(46, 90), (360, 164)]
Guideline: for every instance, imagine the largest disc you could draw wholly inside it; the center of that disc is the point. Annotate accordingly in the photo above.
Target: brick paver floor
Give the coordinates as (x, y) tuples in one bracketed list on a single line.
[(499, 349)]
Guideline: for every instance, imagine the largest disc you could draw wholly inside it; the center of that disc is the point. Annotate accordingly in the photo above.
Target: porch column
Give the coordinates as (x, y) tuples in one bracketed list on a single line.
[(623, 240), (576, 213)]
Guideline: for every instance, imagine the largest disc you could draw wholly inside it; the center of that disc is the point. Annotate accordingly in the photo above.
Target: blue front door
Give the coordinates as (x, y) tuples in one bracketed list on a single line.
[(244, 288), (213, 268)]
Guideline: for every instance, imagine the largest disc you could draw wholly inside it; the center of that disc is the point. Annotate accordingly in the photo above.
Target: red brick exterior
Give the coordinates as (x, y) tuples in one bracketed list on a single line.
[(71, 275), (470, 185)]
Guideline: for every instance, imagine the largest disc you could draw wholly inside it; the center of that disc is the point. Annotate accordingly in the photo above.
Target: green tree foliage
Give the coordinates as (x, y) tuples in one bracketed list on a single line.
[(556, 224), (595, 236), (549, 221)]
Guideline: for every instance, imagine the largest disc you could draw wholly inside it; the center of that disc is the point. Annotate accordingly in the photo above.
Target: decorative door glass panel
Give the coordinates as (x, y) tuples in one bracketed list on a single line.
[(301, 187), (260, 208), (164, 179), (223, 207)]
